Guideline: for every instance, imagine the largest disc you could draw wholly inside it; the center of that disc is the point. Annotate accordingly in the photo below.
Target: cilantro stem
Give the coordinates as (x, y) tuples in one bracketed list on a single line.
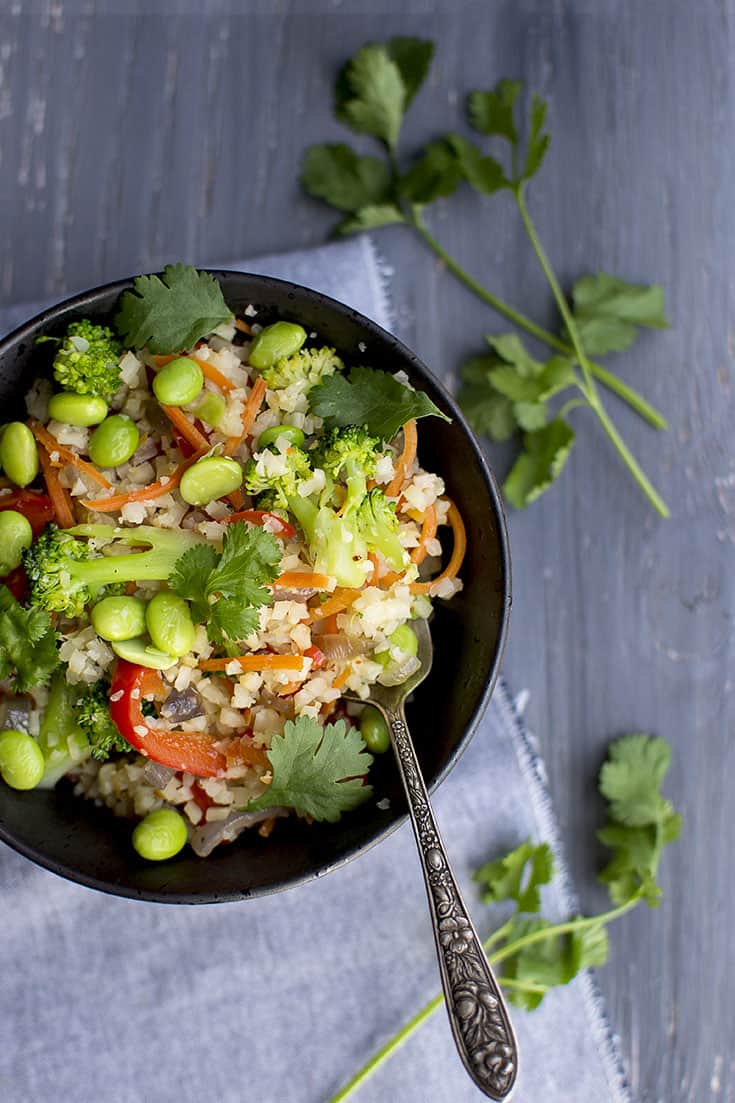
[(589, 388), (628, 394), (402, 1035)]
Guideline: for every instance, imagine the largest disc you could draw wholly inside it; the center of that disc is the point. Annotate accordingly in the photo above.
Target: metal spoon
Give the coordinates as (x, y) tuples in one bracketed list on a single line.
[(477, 1011)]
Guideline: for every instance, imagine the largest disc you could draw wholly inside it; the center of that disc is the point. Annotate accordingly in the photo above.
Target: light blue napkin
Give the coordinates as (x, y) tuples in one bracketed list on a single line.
[(280, 1000)]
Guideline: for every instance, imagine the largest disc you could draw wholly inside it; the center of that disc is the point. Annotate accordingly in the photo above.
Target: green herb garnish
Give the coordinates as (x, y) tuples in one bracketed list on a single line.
[(28, 644), (172, 313), (371, 398), (372, 94)]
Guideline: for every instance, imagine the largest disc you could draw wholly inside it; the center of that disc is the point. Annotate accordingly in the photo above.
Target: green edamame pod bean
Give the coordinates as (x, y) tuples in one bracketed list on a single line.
[(374, 730), (142, 653), (210, 408), (169, 623), (179, 382), (18, 453), (119, 618), (290, 432), (21, 760), (210, 478), (160, 835), (276, 341), (77, 409), (114, 441), (16, 534)]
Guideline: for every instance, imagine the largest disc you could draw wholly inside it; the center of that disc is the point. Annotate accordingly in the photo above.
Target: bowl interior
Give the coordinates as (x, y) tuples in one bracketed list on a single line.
[(89, 845)]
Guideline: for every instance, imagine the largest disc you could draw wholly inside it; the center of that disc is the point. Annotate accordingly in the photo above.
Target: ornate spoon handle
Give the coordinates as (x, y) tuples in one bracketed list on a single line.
[(475, 1005)]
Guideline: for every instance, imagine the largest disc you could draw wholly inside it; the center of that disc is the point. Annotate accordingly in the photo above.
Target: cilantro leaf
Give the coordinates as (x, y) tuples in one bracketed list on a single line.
[(518, 876), (28, 644), (480, 170), (491, 112), (538, 142), (172, 313), (372, 398), (336, 174), (540, 464), (370, 217), (489, 413), (376, 86), (317, 770), (551, 961), (631, 779), (608, 309), (227, 590), (436, 173)]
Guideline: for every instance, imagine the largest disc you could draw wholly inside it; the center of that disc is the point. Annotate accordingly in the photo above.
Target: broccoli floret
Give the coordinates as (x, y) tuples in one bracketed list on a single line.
[(307, 365), (87, 361), (335, 545), (349, 453), (378, 525), (65, 576), (93, 717)]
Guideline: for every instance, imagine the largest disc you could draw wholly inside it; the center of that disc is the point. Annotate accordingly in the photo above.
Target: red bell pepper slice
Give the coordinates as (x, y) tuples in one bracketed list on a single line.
[(194, 754), (35, 507)]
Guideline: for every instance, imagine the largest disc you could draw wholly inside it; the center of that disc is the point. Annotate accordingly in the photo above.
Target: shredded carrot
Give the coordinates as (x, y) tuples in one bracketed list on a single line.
[(303, 580), (337, 603), (51, 444), (144, 493), (406, 458), (242, 752), (256, 662), (458, 553), (249, 414), (58, 494), (243, 326), (189, 431), (342, 677), (428, 532), (288, 689)]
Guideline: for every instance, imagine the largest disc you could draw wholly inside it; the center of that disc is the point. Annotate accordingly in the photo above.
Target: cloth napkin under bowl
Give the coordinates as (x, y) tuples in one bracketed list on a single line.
[(281, 999)]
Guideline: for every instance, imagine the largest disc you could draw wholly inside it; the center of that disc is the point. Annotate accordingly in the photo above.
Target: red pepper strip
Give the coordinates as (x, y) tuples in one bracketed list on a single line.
[(318, 658), (17, 583), (195, 754), (35, 507), (259, 517)]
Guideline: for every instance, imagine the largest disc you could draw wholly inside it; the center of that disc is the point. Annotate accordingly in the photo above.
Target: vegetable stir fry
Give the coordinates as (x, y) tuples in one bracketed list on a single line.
[(213, 541)]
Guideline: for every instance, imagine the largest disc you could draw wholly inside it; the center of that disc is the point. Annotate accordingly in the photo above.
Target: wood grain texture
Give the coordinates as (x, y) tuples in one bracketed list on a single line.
[(133, 134)]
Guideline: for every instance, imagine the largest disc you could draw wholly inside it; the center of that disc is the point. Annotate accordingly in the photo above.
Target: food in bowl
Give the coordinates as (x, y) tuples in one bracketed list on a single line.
[(212, 534)]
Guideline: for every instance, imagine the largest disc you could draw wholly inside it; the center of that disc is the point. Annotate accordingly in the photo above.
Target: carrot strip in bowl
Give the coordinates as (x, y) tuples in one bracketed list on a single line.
[(406, 458), (249, 414), (428, 532), (340, 600), (144, 493), (303, 580), (51, 444), (458, 553), (187, 429), (256, 662), (58, 494)]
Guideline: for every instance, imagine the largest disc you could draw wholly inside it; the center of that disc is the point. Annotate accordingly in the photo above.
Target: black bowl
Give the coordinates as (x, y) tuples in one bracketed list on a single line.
[(89, 845)]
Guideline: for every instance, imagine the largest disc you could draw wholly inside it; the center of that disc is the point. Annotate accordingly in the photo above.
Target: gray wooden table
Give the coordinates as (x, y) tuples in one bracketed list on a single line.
[(130, 139)]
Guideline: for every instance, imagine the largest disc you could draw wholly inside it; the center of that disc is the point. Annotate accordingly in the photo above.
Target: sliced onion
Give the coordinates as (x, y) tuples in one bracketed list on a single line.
[(338, 647), (148, 449), (156, 775), (204, 839), (398, 673), (182, 704), (302, 594)]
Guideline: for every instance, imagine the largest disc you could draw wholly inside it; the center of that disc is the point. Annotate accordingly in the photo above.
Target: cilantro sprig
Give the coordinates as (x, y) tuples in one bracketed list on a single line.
[(28, 644), (317, 770), (533, 954), (372, 94), (172, 313), (227, 589), (372, 398)]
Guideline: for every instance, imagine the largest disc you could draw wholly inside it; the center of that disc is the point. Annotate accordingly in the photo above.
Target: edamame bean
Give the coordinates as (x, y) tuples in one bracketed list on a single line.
[(119, 618), (403, 638), (18, 453), (160, 835), (210, 478), (290, 432), (275, 341), (77, 409), (114, 441), (374, 730), (169, 623), (21, 760), (179, 382), (16, 534), (210, 408), (142, 653)]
